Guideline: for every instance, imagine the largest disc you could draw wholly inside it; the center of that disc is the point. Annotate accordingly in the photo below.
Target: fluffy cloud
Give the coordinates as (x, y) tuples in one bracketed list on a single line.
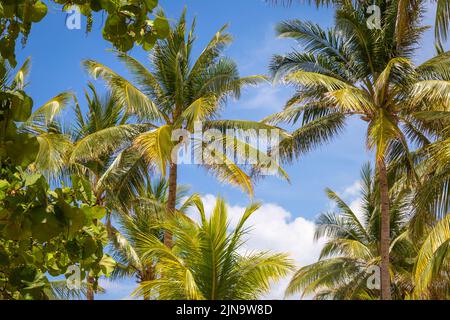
[(273, 228), (266, 97)]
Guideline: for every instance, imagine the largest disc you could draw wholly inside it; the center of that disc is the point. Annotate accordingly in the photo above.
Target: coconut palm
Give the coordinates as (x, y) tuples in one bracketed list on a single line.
[(352, 70), (352, 252), (175, 93), (206, 261), (143, 213), (405, 13), (102, 149)]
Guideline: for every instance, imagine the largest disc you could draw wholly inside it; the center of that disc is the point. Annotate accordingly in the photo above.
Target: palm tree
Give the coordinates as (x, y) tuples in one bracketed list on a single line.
[(114, 173), (104, 115), (141, 216), (351, 70), (206, 262), (175, 93), (352, 252), (405, 14), (102, 149)]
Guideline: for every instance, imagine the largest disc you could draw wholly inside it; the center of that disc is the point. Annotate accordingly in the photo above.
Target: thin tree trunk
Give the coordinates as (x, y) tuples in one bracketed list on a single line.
[(90, 294), (385, 230), (171, 201)]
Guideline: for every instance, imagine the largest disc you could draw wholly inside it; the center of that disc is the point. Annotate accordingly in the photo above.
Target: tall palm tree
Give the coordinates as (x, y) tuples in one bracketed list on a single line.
[(352, 252), (206, 262), (175, 93), (104, 115), (351, 70)]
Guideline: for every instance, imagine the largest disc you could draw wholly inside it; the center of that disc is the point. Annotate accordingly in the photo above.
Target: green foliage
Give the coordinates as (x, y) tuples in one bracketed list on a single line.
[(43, 232), (127, 22), (143, 215), (176, 90), (15, 106)]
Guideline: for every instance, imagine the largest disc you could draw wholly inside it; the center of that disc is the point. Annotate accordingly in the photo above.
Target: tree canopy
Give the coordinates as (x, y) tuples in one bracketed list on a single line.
[(127, 22)]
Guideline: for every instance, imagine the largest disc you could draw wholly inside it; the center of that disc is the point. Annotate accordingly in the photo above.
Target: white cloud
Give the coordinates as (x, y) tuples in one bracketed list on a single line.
[(267, 97), (353, 190), (117, 290), (256, 60), (273, 228), (258, 57)]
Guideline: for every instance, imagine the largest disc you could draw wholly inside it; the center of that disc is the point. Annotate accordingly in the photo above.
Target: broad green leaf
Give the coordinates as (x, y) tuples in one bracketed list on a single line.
[(45, 225), (107, 265), (39, 11), (94, 213)]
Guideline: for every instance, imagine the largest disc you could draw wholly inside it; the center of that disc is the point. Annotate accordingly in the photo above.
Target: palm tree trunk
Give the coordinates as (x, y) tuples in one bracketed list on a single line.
[(385, 230), (171, 201), (149, 275)]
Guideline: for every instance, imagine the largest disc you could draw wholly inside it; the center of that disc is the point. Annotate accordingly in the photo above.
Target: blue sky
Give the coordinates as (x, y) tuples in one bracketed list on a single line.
[(57, 54)]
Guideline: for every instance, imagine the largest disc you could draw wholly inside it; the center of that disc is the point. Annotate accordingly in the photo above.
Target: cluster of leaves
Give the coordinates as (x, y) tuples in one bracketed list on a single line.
[(16, 17), (15, 106), (207, 261), (128, 22), (42, 231)]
